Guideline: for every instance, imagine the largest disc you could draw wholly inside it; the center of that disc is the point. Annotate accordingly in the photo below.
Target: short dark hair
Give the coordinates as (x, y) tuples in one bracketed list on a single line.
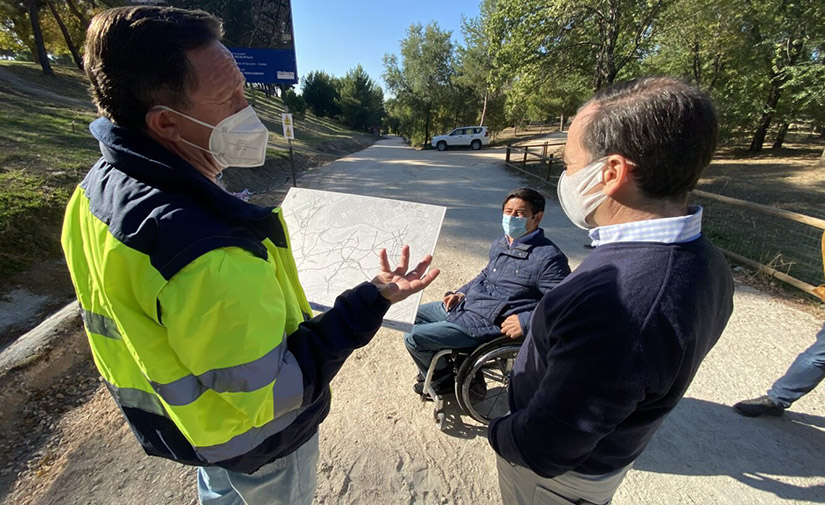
[(667, 127), (533, 198), (136, 56)]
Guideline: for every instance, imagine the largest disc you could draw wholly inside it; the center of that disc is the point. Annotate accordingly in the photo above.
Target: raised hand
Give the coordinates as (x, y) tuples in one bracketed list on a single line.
[(397, 284)]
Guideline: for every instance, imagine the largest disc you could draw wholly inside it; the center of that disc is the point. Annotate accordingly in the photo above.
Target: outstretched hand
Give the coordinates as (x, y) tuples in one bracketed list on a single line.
[(396, 285)]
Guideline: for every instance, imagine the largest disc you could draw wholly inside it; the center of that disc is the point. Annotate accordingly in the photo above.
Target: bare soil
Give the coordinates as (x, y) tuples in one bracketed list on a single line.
[(790, 178)]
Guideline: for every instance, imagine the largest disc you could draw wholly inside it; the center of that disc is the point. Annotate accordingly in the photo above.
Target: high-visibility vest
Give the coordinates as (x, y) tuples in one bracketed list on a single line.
[(191, 342)]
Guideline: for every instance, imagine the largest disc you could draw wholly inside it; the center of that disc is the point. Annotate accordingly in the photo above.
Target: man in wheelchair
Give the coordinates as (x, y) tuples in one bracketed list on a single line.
[(524, 265)]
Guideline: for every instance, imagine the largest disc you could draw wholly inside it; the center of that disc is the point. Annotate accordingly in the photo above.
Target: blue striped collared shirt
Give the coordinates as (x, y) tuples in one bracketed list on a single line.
[(667, 230)]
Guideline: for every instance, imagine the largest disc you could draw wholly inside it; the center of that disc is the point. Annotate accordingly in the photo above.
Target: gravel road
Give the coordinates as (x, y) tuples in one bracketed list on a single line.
[(380, 445)]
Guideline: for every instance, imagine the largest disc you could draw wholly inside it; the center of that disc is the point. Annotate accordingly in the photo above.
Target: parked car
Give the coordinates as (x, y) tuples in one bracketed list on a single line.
[(472, 136)]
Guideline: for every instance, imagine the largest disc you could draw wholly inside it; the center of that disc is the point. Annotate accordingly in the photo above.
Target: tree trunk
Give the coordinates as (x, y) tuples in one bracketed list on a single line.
[(561, 122), (822, 158), (38, 38), (66, 36), (484, 108), (427, 129), (79, 15), (697, 63), (765, 120), (610, 70), (780, 135)]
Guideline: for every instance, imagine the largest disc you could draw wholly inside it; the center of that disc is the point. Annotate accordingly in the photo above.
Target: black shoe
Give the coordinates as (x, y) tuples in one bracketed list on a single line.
[(444, 388), (762, 406), (478, 391)]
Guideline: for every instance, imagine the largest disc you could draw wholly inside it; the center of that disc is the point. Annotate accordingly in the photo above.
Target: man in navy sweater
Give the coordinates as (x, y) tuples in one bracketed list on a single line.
[(613, 348)]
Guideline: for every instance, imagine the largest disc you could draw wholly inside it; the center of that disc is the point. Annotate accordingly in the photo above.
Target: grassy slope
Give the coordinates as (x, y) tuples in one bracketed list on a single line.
[(46, 148)]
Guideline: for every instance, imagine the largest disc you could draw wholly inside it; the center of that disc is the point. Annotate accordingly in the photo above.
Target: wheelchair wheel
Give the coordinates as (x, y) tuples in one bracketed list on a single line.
[(483, 379)]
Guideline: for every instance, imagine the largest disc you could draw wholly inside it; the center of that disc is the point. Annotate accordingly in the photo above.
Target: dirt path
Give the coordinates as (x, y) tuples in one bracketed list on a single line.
[(380, 445)]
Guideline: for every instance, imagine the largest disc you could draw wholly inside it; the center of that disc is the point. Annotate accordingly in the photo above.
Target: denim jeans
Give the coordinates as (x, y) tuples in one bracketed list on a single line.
[(288, 480), (804, 374), (432, 333)]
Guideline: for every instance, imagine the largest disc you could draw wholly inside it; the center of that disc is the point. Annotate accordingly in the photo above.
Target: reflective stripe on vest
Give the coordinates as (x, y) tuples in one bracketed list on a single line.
[(278, 363), (136, 399), (100, 324)]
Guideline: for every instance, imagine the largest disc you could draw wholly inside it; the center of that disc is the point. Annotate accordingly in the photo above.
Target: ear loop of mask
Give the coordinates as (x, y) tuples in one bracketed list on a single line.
[(198, 121)]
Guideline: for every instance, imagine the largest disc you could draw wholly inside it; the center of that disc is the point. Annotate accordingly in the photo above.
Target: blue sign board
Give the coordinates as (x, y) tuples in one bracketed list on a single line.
[(268, 66)]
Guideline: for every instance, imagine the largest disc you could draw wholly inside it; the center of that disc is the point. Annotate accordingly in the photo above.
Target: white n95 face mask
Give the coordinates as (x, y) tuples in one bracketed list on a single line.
[(238, 140), (574, 193)]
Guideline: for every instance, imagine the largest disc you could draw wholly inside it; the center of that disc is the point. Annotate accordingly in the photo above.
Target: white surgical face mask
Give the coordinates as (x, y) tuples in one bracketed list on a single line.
[(238, 140), (575, 197)]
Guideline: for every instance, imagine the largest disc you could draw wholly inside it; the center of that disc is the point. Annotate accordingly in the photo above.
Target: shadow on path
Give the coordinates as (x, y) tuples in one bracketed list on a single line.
[(705, 438)]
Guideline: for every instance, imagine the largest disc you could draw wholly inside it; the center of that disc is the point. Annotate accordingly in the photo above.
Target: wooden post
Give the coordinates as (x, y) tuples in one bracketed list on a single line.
[(549, 165), (507, 156), (524, 161), (292, 163)]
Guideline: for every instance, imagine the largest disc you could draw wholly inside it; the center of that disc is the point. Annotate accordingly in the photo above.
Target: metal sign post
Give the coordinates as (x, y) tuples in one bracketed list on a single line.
[(289, 135)]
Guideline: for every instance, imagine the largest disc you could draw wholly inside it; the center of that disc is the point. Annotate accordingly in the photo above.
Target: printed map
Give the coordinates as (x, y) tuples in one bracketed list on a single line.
[(336, 238)]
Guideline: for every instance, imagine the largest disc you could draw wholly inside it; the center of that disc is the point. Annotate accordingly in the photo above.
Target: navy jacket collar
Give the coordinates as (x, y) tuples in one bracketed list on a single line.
[(142, 158), (523, 246)]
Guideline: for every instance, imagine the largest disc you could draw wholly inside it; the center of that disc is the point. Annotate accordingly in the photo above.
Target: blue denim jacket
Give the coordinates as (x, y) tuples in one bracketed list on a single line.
[(513, 282)]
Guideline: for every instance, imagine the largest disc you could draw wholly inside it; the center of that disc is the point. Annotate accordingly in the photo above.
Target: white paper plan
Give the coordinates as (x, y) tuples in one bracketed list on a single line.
[(336, 238)]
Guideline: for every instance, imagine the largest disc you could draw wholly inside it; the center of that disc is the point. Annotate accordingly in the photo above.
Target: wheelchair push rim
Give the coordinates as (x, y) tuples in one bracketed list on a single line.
[(493, 362)]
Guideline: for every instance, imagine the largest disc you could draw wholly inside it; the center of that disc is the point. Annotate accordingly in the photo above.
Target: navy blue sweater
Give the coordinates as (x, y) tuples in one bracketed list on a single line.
[(610, 352)]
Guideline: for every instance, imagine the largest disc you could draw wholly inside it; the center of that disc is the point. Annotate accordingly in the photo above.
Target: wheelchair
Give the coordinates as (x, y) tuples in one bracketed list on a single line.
[(482, 379)]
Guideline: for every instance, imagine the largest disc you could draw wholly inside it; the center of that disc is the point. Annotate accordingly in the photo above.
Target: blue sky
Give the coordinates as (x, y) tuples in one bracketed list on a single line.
[(336, 35)]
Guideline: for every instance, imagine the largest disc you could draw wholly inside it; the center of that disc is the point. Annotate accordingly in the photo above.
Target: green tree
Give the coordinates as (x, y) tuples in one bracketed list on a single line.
[(15, 27), (67, 37), (705, 42), (62, 26), (475, 68), (295, 103), (594, 38), (422, 79), (361, 100), (320, 90), (785, 34)]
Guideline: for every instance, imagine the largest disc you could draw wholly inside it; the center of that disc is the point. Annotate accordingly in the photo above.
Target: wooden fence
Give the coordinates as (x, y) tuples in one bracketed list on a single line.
[(533, 152)]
